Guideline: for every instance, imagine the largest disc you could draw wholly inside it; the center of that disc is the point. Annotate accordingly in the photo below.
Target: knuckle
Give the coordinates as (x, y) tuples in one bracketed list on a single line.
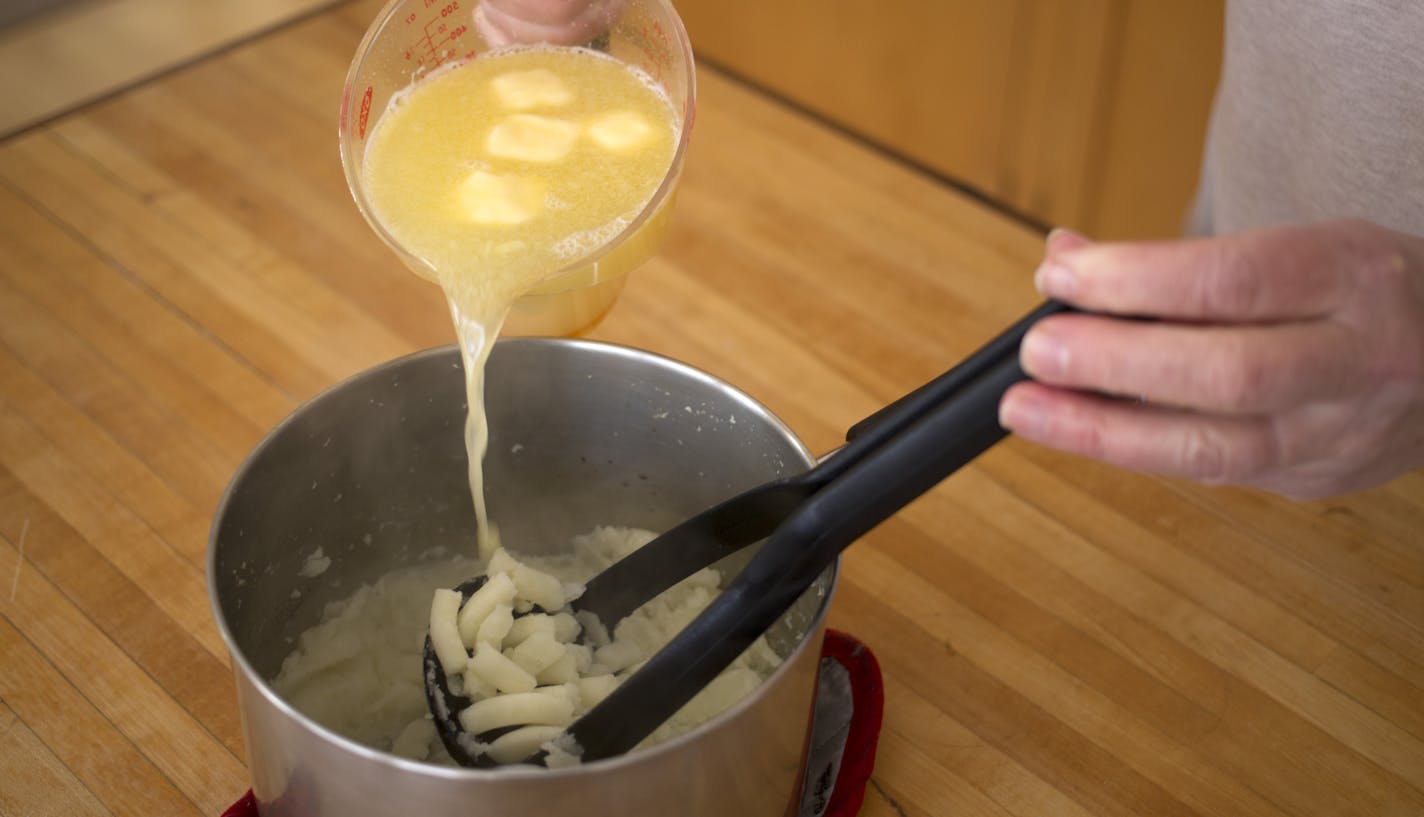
[(1202, 456), (1237, 379), (1092, 441), (1082, 431), (1371, 252), (1231, 283), (1385, 266), (1216, 457)]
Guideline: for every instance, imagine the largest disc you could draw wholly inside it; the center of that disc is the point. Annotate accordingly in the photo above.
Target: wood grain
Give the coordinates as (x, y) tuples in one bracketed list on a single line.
[(181, 265), (78, 52), (1150, 136)]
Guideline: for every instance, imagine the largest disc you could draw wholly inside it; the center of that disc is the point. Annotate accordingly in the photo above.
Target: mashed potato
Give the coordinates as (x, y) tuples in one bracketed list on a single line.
[(358, 671)]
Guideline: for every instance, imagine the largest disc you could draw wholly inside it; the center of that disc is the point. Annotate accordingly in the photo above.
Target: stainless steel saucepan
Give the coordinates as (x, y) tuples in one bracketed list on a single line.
[(582, 434)]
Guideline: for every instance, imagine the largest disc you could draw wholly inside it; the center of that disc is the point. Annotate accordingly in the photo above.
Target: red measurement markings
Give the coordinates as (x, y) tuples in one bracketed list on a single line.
[(438, 35), (655, 60), (364, 114)]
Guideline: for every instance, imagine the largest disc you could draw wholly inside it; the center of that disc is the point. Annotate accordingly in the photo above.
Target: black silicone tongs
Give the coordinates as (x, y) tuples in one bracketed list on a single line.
[(892, 457)]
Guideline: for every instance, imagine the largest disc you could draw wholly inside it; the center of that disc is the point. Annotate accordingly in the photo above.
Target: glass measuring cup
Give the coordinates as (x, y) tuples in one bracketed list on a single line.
[(410, 38)]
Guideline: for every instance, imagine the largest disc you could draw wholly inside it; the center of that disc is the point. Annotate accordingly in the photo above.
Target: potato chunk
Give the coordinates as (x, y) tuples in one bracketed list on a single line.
[(445, 633), (520, 744), (517, 709), (527, 625), (532, 585), (497, 590), (617, 656), (593, 689), (499, 671), (564, 670), (495, 626), (566, 628), (537, 652)]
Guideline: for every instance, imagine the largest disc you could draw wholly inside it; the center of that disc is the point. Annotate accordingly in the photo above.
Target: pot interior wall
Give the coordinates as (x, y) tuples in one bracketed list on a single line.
[(373, 473)]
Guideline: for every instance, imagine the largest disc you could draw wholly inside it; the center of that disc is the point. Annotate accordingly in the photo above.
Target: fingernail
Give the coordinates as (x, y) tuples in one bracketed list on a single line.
[(1055, 280), (1022, 413), (1043, 355), (1061, 238)]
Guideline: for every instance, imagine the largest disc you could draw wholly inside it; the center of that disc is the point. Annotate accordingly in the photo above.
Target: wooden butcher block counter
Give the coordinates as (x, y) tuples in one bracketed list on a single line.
[(181, 265)]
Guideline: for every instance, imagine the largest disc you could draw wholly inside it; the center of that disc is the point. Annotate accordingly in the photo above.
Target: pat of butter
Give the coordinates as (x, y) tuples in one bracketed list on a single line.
[(489, 198), (528, 137), (620, 130), (523, 90)]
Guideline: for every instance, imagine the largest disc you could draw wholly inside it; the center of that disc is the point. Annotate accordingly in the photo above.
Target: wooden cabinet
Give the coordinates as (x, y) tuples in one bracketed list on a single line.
[(1084, 113)]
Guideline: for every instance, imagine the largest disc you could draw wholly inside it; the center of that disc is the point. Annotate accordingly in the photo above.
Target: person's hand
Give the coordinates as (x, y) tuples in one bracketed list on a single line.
[(561, 22), (1290, 359)]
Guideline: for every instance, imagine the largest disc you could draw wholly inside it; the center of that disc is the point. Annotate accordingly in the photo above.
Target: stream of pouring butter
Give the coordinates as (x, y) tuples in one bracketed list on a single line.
[(476, 327), (502, 170)]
